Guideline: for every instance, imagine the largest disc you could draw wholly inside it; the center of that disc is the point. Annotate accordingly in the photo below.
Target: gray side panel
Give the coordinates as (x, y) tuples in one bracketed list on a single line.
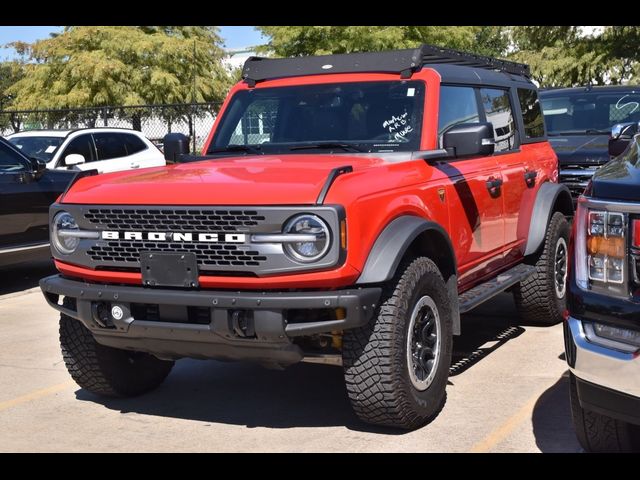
[(542, 210), (390, 247)]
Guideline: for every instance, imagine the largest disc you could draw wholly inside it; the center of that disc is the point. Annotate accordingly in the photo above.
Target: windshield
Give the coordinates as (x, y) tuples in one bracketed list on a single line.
[(589, 113), (42, 148), (363, 116)]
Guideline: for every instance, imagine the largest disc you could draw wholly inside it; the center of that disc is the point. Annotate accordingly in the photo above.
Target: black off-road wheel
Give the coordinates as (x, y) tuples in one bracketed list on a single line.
[(396, 367), (107, 371), (541, 298), (599, 433)]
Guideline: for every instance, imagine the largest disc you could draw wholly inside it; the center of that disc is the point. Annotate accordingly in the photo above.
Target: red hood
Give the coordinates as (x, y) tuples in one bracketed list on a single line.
[(264, 180)]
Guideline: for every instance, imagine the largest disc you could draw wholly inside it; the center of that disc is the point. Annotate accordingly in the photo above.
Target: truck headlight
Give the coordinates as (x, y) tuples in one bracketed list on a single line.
[(308, 251), (65, 243)]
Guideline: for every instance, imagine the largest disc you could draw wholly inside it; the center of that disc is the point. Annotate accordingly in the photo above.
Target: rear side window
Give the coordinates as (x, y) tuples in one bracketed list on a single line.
[(457, 105), (132, 143), (109, 145), (531, 113), (497, 107), (81, 145)]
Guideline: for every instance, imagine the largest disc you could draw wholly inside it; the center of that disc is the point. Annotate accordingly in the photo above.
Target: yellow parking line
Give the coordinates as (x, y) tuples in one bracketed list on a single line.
[(35, 395), (504, 430)]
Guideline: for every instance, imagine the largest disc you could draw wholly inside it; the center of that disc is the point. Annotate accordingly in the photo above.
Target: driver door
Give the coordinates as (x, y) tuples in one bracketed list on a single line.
[(23, 207)]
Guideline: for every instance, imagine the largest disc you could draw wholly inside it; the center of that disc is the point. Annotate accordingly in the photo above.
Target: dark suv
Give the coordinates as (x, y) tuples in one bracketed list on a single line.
[(579, 122)]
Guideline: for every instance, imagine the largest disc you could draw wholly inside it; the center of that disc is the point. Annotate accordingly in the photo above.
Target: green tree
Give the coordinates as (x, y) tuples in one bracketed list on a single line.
[(288, 41), (10, 73), (563, 56), (99, 66)]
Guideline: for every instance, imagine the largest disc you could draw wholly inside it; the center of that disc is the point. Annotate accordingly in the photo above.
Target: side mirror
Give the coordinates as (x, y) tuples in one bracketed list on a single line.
[(624, 130), (469, 139), (38, 167), (621, 135), (73, 159), (175, 144)]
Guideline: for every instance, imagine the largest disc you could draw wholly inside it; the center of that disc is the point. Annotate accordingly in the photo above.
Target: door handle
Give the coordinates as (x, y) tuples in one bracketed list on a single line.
[(493, 185), (530, 178)]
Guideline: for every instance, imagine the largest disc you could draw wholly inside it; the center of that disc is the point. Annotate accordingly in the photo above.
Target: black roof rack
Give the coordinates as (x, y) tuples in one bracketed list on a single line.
[(404, 62)]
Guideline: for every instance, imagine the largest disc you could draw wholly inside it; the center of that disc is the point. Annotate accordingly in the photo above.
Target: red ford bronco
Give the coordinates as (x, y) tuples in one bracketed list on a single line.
[(346, 209)]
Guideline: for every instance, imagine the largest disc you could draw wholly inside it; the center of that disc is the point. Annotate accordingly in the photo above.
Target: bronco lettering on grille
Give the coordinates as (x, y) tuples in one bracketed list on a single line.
[(176, 237)]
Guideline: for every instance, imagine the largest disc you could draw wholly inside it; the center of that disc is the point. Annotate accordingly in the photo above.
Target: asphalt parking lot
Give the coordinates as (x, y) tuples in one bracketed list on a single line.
[(508, 392)]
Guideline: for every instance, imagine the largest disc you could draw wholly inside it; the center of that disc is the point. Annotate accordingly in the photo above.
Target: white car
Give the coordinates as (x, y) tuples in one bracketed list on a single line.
[(103, 149)]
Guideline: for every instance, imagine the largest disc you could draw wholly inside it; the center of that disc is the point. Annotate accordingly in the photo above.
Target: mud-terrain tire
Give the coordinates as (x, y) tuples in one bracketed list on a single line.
[(376, 363), (599, 433), (104, 370), (541, 298)]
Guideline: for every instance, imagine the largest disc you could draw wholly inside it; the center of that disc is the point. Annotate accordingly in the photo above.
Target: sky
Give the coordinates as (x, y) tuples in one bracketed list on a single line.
[(234, 37)]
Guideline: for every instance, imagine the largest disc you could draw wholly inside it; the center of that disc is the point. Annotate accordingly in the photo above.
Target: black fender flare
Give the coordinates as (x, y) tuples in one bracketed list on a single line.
[(551, 197), (391, 245)]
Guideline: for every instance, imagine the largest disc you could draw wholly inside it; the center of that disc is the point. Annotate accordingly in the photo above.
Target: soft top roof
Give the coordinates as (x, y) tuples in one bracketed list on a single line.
[(403, 62)]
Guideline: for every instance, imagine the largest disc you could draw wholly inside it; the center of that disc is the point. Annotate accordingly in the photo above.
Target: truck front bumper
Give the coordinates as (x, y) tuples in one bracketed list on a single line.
[(608, 380), (251, 326)]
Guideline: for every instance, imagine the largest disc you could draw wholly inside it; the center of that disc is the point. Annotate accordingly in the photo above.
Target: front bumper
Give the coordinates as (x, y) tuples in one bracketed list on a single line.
[(598, 365), (216, 334)]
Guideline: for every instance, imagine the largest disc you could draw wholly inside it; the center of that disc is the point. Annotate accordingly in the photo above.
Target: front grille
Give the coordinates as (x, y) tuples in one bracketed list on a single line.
[(576, 189), (576, 178), (220, 236), (176, 220), (209, 255)]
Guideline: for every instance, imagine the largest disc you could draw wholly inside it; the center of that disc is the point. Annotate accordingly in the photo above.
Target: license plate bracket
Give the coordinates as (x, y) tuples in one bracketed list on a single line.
[(169, 269)]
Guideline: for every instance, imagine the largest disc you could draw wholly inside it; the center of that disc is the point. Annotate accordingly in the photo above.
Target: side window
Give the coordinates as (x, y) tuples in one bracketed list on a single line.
[(81, 145), (10, 161), (457, 105), (497, 107), (257, 124), (109, 145), (531, 113), (132, 143)]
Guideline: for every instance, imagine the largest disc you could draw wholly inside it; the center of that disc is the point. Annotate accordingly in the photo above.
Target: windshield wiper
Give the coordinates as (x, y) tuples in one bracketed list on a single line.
[(237, 148), (329, 145), (588, 131)]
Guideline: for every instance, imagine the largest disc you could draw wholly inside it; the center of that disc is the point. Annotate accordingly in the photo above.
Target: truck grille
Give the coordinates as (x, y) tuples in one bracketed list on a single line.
[(177, 220), (576, 178), (208, 255)]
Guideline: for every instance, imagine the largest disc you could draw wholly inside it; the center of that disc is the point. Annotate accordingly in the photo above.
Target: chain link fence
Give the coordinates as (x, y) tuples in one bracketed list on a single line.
[(154, 121)]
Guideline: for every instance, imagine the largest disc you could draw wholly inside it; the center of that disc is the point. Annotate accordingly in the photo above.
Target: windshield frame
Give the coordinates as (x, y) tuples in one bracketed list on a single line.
[(347, 147)]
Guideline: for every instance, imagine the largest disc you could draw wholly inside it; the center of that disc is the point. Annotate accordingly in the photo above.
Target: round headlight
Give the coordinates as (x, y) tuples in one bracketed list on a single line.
[(311, 251), (63, 223)]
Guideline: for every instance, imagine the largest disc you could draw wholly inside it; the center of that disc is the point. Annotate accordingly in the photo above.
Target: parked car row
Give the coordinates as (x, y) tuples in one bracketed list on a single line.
[(37, 166)]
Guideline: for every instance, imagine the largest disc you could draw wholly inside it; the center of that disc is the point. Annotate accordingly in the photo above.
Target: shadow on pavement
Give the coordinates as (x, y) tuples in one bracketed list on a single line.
[(484, 330), (551, 419), (304, 395), (24, 276)]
